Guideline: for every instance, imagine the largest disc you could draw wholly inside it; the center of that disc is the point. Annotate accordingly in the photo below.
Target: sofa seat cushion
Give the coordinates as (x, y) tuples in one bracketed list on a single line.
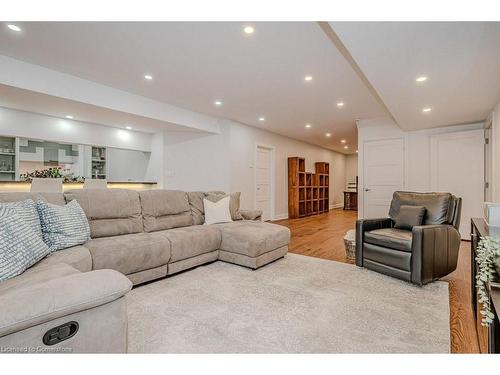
[(192, 241), (77, 257), (253, 238), (392, 238), (129, 253), (110, 212), (383, 256)]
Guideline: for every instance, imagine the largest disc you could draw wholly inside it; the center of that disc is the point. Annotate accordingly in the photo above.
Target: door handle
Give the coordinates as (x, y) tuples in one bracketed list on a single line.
[(368, 189)]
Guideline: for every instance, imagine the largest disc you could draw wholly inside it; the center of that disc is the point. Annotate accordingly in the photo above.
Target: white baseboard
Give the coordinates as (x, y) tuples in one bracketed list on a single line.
[(338, 205), (280, 217)]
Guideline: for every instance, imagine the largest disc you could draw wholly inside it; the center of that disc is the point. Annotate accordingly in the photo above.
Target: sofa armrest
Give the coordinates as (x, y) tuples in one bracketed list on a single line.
[(35, 304), (434, 252), (251, 214), (365, 225)]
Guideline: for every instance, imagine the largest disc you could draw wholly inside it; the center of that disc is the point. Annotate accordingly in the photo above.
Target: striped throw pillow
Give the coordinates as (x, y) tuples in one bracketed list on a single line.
[(28, 212), (63, 226), (20, 245)]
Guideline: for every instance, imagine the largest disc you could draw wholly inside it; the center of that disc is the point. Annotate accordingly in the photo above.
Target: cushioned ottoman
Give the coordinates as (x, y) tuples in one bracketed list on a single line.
[(253, 244)]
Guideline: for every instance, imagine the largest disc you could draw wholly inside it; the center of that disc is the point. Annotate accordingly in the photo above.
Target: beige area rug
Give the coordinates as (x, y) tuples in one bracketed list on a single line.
[(297, 304)]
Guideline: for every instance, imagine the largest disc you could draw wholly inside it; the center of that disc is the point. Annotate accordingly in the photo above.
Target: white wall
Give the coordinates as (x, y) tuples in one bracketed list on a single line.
[(351, 168), (226, 161), (127, 165), (197, 161), (156, 167), (417, 150), (35, 126)]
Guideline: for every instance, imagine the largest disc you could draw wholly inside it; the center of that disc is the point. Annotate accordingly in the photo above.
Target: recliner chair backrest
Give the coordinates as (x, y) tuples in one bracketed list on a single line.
[(441, 208)]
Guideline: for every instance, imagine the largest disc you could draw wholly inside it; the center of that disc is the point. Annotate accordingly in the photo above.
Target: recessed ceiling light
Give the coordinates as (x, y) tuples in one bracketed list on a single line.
[(149, 77), (262, 119), (69, 116), (421, 79), (343, 141), (308, 78), (328, 134), (308, 126), (340, 104), (218, 103), (128, 127), (14, 27), (248, 29), (427, 109), (346, 147)]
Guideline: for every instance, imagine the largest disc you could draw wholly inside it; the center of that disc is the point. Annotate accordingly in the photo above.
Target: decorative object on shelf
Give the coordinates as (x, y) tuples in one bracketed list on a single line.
[(488, 262), (99, 162), (350, 244), (7, 158), (55, 172), (308, 193)]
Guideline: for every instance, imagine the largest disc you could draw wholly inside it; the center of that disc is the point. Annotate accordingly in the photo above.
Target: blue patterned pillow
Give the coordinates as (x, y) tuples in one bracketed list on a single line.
[(28, 212), (63, 226), (20, 245)]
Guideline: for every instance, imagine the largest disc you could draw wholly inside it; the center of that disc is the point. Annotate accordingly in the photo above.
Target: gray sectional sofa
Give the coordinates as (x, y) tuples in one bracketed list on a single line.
[(143, 235)]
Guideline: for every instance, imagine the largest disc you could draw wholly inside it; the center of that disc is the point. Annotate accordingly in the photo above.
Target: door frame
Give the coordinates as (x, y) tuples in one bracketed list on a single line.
[(272, 161)]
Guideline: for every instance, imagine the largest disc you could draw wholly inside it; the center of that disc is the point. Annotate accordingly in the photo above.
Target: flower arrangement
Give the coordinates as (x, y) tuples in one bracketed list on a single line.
[(488, 260), (55, 172)]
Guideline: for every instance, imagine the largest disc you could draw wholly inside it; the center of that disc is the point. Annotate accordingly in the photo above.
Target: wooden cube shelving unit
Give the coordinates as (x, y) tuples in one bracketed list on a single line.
[(308, 193)]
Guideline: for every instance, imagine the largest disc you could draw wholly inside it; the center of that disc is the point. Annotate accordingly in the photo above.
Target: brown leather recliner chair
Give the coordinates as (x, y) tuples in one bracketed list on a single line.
[(424, 254)]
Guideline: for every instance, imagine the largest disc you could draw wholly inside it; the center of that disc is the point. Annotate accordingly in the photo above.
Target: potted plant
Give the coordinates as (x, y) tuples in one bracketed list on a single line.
[(488, 261)]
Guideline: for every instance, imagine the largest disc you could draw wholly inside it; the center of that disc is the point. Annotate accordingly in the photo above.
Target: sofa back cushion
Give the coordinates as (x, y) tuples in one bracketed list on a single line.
[(437, 205), (53, 198), (195, 199), (20, 245), (165, 209), (110, 212)]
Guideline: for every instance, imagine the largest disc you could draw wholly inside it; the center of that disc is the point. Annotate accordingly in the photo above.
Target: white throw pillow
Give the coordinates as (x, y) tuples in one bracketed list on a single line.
[(217, 212)]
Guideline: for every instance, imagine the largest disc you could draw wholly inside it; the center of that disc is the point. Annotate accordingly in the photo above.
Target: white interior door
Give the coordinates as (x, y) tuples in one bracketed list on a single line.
[(382, 175), (263, 181), (457, 166)]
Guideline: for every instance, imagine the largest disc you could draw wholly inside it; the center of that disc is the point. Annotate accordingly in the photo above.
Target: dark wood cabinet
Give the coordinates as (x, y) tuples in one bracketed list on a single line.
[(488, 337), (350, 200)]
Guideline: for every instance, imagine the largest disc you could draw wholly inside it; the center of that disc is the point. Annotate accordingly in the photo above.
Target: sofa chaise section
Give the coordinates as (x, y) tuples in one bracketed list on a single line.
[(253, 243)]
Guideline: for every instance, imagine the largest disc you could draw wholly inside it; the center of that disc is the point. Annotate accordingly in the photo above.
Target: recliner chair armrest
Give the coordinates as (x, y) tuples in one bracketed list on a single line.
[(39, 303), (251, 214), (365, 225), (434, 252)]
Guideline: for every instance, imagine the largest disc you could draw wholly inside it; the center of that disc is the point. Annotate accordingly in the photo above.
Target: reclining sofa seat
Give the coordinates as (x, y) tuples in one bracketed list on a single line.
[(60, 290), (421, 255)]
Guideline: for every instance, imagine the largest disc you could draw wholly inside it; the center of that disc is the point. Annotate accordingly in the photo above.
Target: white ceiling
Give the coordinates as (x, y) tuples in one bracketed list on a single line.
[(194, 64), (461, 60)]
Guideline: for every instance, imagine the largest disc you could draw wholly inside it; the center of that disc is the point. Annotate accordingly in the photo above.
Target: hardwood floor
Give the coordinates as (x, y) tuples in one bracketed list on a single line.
[(321, 236)]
